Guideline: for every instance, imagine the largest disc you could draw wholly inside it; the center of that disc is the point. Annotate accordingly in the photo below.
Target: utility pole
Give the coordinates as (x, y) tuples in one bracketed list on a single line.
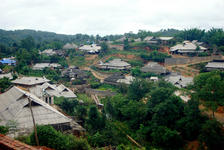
[(34, 124)]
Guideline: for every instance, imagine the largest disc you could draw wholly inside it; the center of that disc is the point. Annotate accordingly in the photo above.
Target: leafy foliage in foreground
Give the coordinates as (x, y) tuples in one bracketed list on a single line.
[(49, 137)]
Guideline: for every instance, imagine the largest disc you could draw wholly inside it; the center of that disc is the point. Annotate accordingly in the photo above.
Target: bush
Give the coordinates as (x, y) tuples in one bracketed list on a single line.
[(136, 63), (203, 54), (4, 130), (155, 56), (166, 138), (49, 137), (95, 85), (78, 82)]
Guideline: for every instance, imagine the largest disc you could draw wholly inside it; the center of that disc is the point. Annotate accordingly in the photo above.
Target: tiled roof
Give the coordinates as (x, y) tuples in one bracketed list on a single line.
[(9, 144)]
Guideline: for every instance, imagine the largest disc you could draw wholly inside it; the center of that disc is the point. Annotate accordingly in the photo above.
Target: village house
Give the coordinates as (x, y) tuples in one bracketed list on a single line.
[(15, 112), (47, 92), (48, 52), (115, 64), (179, 80), (70, 46), (164, 40), (154, 79), (6, 75), (123, 38), (217, 65), (74, 72), (154, 67), (41, 66), (151, 40), (8, 61), (60, 52), (118, 78), (138, 40), (42, 89), (187, 47), (27, 82), (91, 49)]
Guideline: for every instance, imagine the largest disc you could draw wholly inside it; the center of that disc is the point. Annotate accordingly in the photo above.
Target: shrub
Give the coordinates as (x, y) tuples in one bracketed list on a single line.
[(4, 130), (49, 137)]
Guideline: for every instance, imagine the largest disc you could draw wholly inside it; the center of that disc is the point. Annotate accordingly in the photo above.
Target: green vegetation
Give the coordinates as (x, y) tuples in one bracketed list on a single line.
[(51, 138), (4, 84), (148, 112), (4, 130), (85, 98), (155, 56), (209, 89)]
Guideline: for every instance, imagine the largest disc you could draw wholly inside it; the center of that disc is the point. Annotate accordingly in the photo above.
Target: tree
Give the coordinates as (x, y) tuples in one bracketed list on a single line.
[(94, 122), (192, 34), (104, 48), (190, 124), (168, 112), (212, 135), (4, 130), (158, 95), (28, 43), (69, 106), (4, 84), (126, 44), (209, 88), (49, 137), (109, 108), (137, 89), (166, 138)]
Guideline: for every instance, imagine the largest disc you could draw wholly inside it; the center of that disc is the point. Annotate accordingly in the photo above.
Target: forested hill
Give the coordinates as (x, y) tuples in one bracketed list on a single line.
[(10, 37)]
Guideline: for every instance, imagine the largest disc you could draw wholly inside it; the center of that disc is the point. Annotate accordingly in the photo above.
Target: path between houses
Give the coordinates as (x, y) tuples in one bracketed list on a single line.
[(185, 70), (96, 74)]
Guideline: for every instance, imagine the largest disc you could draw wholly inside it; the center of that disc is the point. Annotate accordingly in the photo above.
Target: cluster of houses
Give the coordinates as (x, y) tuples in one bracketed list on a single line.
[(38, 94), (89, 49)]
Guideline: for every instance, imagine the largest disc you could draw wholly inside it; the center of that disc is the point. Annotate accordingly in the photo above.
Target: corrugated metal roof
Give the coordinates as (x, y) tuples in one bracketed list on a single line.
[(7, 61)]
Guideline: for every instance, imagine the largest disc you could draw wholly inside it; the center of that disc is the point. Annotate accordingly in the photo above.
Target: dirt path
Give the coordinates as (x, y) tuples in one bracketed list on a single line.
[(184, 70), (96, 74), (218, 115)]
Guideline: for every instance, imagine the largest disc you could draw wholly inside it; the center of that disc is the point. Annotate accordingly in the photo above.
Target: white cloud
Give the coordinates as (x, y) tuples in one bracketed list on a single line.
[(109, 17)]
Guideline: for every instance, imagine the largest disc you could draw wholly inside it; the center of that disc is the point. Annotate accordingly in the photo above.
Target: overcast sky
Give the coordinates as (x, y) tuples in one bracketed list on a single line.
[(110, 16)]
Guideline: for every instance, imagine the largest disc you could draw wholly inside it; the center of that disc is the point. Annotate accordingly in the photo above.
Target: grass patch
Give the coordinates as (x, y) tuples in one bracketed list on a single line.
[(78, 61), (105, 87), (85, 98)]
